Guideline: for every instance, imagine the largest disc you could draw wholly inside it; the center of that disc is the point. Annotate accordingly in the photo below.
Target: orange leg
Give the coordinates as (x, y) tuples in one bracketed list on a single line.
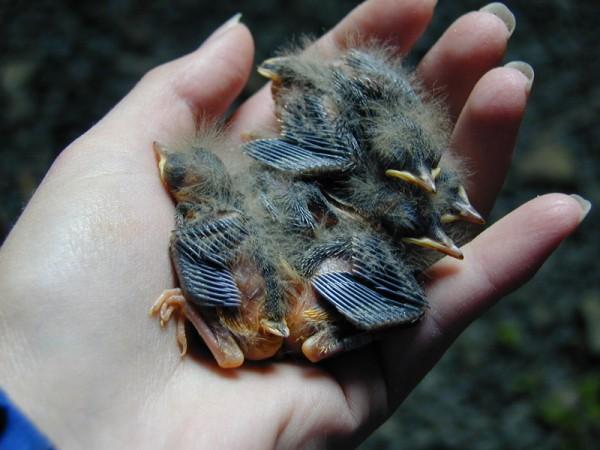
[(216, 337), (170, 301)]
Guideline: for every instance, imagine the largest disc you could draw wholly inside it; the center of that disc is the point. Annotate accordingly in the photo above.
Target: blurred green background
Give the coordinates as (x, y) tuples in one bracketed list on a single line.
[(525, 376)]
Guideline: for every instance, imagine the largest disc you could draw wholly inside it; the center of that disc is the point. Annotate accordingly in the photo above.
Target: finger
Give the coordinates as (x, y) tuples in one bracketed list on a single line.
[(106, 186), (487, 129), (500, 259), (172, 100), (175, 96), (399, 23), (471, 46)]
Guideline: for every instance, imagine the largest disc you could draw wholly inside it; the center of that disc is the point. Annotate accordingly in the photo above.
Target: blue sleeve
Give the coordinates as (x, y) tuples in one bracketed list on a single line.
[(16, 432)]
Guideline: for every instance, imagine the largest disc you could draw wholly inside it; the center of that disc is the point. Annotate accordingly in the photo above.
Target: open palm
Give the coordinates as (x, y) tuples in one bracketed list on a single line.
[(89, 256)]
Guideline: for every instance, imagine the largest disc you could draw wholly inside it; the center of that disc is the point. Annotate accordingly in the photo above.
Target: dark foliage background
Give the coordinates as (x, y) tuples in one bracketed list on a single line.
[(527, 374)]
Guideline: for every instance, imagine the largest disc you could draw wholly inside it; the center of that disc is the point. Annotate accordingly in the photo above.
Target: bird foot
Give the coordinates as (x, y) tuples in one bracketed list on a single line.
[(220, 342), (169, 302)]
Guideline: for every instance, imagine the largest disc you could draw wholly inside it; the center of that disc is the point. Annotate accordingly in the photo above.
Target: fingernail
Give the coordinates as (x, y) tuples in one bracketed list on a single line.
[(584, 204), (232, 22), (503, 13), (525, 69)]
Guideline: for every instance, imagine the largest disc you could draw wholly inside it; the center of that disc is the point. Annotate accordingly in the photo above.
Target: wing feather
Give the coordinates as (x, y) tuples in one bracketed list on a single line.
[(201, 254)]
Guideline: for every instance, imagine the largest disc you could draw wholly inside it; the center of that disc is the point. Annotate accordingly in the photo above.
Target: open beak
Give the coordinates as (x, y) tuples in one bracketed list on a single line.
[(424, 180), (442, 243)]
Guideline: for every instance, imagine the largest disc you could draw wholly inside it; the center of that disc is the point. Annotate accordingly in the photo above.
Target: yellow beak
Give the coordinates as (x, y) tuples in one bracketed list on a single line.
[(424, 180), (468, 213), (161, 158), (268, 69), (448, 248)]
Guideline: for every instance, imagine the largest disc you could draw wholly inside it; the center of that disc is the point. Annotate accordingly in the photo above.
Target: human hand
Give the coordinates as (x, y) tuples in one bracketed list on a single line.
[(88, 257)]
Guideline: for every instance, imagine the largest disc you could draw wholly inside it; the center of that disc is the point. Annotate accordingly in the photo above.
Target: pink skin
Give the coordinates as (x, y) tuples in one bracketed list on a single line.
[(88, 256)]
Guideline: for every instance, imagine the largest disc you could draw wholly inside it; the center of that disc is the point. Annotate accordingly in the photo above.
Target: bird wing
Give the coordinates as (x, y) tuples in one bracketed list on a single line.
[(375, 293), (374, 263), (201, 254), (310, 144), (299, 206), (310, 157)]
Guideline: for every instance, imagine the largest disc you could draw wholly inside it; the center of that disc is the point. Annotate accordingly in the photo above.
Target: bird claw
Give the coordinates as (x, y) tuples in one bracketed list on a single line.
[(221, 344), (170, 301)]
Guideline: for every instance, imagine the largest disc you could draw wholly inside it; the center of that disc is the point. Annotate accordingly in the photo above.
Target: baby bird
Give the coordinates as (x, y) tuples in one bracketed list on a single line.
[(228, 289), (368, 129), (358, 283), (388, 122), (321, 243)]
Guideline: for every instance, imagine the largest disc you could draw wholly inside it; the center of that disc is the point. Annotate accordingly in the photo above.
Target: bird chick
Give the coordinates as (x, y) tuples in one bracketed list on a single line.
[(358, 129), (394, 123), (320, 245), (343, 279), (406, 212), (228, 289), (367, 125), (360, 283)]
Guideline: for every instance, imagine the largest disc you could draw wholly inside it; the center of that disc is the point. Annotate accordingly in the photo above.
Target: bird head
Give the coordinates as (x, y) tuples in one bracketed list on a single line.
[(305, 69), (193, 175), (415, 220), (406, 152), (277, 70)]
